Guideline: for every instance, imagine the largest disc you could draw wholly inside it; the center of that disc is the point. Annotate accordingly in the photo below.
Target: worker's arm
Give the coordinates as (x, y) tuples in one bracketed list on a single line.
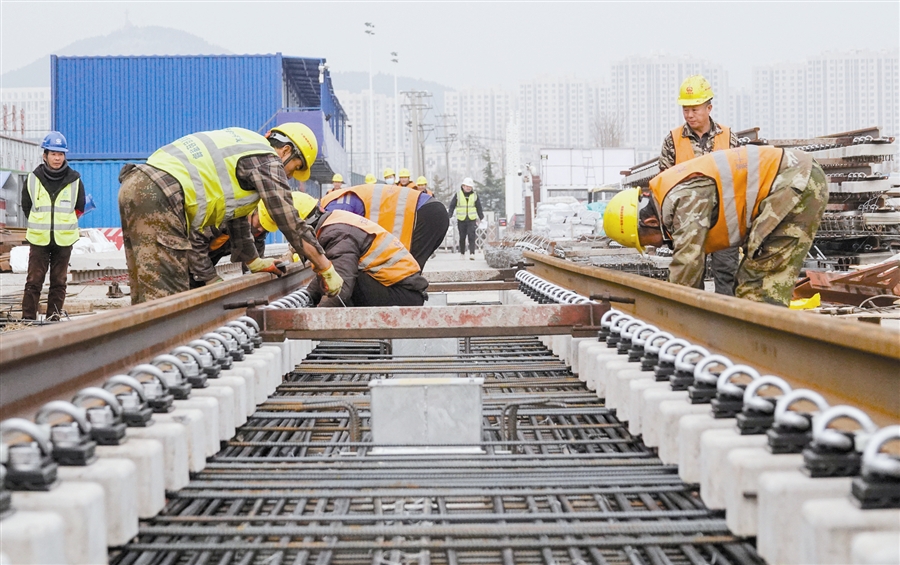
[(667, 153), (265, 174), (478, 209), (79, 199), (451, 208), (243, 244), (687, 214), (200, 265), (26, 200), (344, 245)]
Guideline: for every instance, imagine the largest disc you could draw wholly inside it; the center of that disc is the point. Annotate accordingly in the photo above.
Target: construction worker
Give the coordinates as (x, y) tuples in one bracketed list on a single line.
[(337, 182), (767, 200), (468, 215), (404, 178), (210, 245), (210, 179), (700, 135), (370, 178), (419, 221), (389, 176), (52, 200), (422, 186), (375, 266)]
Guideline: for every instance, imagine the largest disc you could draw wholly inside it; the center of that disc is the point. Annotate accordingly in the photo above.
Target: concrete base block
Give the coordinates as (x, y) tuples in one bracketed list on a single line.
[(176, 454), (81, 507), (828, 526), (653, 427), (620, 381), (238, 386), (248, 375), (587, 351), (33, 538), (882, 548), (636, 389), (743, 467), (118, 479), (575, 351), (224, 397), (261, 382), (147, 456), (272, 372), (193, 428), (781, 497), (210, 408), (687, 444), (596, 356), (715, 445), (283, 349), (606, 368)]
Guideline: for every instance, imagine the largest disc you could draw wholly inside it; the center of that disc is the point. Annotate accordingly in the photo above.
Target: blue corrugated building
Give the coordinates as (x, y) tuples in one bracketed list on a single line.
[(115, 110)]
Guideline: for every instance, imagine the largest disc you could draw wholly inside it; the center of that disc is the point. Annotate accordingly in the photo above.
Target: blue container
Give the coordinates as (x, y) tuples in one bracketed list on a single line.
[(101, 181)]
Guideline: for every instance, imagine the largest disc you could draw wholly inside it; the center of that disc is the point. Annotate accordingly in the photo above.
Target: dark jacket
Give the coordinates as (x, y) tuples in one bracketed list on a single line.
[(54, 181)]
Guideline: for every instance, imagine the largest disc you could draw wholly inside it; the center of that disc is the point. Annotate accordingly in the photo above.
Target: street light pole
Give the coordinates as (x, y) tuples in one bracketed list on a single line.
[(370, 31), (395, 59)]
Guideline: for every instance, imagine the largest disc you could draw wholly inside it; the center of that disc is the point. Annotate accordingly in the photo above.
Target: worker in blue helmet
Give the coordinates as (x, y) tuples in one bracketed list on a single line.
[(52, 200)]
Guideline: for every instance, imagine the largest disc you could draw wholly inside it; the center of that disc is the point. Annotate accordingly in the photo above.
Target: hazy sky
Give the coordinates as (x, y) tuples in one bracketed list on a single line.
[(464, 44)]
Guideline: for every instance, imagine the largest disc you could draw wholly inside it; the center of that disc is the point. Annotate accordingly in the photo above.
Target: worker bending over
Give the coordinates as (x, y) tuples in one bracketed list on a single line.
[(468, 215), (52, 200), (419, 221), (213, 179), (210, 245), (767, 200), (375, 266), (700, 135)]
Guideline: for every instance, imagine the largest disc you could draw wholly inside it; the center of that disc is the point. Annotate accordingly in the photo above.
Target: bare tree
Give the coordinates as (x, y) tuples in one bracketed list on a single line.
[(607, 130)]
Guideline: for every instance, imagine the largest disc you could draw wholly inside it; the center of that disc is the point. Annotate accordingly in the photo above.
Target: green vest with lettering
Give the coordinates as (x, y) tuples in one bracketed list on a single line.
[(204, 165), (48, 215), (465, 207)]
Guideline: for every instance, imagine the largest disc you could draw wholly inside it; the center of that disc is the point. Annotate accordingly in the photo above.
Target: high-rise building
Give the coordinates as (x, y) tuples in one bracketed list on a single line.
[(481, 113), (25, 110), (385, 123), (557, 112)]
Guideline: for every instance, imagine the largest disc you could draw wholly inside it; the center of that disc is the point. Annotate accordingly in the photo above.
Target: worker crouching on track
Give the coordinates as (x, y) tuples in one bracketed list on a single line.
[(767, 200), (419, 221), (375, 266), (52, 200), (210, 179)]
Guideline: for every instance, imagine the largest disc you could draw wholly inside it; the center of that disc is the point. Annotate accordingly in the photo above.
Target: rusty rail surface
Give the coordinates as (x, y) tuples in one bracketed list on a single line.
[(848, 362), (48, 362)]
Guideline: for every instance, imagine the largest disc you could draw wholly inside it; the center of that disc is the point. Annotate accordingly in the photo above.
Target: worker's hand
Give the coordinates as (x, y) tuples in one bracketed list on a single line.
[(331, 280), (267, 265)]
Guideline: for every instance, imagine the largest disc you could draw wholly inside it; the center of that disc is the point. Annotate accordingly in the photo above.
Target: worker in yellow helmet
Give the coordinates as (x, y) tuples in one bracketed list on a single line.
[(210, 179), (337, 182), (422, 186), (389, 176), (700, 135), (404, 179), (768, 200), (370, 178)]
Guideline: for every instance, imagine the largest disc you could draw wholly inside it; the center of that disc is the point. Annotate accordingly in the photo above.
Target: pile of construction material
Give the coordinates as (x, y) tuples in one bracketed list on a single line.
[(9, 239), (564, 218)]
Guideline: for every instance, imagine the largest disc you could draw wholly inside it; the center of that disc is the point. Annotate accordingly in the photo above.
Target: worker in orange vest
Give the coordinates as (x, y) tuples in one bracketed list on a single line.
[(767, 200), (700, 135)]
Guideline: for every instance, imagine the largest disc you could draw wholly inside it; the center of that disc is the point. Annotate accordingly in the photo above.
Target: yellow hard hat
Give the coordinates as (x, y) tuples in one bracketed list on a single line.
[(337, 178), (422, 181), (304, 203), (388, 172), (695, 90), (305, 143), (370, 178), (403, 173), (620, 221)]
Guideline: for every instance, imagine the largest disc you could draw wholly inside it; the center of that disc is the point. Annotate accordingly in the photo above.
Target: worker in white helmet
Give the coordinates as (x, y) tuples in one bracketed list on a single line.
[(468, 215)]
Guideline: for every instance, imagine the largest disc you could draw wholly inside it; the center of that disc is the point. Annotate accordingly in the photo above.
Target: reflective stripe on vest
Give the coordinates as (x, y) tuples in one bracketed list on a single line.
[(204, 164), (383, 203), (684, 149), (743, 175), (386, 259), (467, 211), (47, 215)]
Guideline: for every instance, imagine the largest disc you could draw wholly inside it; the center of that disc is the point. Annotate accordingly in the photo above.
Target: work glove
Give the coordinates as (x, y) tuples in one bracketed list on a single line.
[(331, 281), (267, 265)]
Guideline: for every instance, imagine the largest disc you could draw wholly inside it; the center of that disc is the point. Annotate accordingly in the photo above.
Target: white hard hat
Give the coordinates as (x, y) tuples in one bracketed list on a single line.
[(468, 182)]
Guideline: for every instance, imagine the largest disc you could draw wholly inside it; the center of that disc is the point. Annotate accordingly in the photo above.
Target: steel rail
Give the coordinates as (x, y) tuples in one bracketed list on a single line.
[(848, 362), (40, 364)]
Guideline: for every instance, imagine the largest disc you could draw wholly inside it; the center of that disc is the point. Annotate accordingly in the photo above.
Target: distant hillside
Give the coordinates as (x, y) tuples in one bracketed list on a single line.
[(384, 84), (129, 40)]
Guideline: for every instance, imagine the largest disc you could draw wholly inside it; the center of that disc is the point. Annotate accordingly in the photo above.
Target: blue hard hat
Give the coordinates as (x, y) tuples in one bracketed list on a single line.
[(55, 141)]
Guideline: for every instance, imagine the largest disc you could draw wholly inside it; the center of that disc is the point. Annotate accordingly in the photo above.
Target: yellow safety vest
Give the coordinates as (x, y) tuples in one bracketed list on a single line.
[(49, 215), (390, 206), (386, 259), (204, 164), (465, 207)]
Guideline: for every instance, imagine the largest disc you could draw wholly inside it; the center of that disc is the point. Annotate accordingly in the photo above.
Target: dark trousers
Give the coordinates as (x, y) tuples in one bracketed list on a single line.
[(723, 265), (466, 230), (431, 226), (42, 258), (369, 292)]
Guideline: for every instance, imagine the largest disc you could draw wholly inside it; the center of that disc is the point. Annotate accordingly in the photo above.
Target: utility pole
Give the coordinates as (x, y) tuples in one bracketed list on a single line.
[(396, 60), (446, 139), (418, 104), (370, 31)]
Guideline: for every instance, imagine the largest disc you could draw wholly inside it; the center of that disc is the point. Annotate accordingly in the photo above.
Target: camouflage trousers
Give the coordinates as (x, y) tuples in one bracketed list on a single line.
[(781, 236), (156, 242)]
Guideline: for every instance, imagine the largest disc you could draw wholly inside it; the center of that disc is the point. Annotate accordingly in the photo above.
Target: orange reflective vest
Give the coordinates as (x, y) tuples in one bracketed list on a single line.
[(386, 259), (390, 206), (684, 150), (743, 175)]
